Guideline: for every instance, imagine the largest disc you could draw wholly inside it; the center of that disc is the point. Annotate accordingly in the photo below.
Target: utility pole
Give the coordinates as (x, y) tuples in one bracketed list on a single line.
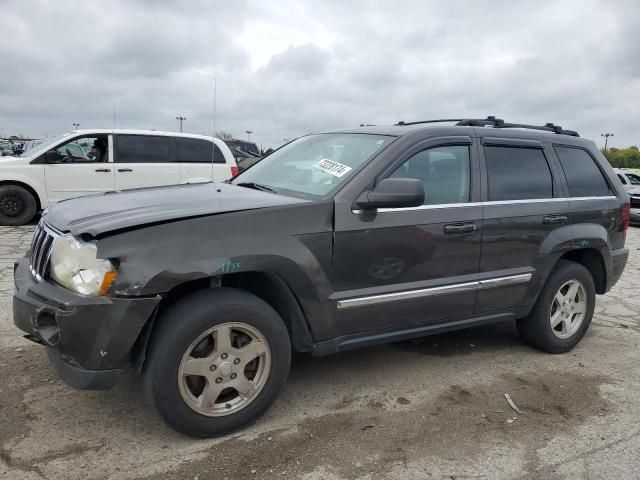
[(606, 139), (181, 119), (75, 126)]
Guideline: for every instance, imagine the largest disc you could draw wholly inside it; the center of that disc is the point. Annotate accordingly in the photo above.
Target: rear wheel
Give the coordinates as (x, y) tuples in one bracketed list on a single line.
[(17, 205), (563, 311), (217, 362)]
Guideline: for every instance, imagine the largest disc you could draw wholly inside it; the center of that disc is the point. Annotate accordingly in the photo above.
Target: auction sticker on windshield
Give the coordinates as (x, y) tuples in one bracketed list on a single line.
[(332, 168)]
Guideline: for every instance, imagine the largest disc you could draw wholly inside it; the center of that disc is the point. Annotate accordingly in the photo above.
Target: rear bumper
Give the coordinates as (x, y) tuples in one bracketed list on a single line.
[(89, 339), (618, 262)]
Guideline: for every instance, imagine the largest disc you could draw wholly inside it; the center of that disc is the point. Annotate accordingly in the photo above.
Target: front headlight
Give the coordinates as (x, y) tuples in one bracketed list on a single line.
[(74, 265)]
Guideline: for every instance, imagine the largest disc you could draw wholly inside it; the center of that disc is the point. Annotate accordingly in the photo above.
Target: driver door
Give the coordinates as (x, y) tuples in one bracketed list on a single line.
[(81, 166)]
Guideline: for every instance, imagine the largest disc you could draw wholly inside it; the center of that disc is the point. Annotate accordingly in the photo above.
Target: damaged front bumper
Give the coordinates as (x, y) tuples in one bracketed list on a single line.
[(89, 339)]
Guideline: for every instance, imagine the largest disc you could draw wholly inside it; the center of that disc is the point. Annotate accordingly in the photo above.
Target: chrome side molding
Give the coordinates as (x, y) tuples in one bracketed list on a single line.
[(429, 292)]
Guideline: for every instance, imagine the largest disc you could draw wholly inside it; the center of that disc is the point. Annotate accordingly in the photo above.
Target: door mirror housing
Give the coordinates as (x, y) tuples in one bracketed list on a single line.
[(393, 193), (53, 156)]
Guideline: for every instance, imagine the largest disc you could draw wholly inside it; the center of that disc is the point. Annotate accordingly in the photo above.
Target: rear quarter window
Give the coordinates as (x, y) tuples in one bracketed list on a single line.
[(583, 175), (193, 150)]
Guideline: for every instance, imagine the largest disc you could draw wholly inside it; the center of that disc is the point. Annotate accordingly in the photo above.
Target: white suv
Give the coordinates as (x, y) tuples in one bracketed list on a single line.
[(629, 180), (83, 162)]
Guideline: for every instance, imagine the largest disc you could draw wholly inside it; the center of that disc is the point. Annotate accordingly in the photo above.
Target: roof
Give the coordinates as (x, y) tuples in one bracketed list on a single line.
[(133, 131)]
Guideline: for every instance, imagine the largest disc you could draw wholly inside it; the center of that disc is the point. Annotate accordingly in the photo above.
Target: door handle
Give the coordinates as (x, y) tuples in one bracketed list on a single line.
[(454, 228), (105, 170), (125, 170), (554, 220)]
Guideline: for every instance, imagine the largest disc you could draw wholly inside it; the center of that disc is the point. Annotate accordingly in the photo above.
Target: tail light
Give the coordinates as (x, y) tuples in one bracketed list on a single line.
[(234, 171), (625, 211)]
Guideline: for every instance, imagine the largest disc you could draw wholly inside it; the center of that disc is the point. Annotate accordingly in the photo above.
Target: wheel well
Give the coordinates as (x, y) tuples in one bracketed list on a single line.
[(269, 287), (27, 188), (592, 260)]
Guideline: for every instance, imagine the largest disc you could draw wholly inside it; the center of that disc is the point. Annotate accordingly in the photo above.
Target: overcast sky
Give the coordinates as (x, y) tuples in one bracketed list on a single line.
[(288, 68)]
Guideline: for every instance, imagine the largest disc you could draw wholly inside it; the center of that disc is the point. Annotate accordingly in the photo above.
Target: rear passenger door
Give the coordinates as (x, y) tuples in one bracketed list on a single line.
[(525, 204), (199, 162), (145, 161)]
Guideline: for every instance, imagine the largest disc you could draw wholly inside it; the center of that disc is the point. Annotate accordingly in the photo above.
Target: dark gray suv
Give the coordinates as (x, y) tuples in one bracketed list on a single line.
[(335, 241)]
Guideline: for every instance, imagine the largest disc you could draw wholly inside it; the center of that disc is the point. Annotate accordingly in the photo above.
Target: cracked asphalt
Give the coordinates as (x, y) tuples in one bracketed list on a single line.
[(433, 408)]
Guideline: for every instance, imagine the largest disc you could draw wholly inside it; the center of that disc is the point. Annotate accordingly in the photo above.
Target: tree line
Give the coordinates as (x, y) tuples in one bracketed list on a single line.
[(623, 157)]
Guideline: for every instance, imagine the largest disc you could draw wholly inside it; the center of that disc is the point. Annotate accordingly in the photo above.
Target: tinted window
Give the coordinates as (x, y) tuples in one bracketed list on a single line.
[(622, 179), (192, 150), (143, 149), (443, 171), (583, 175), (517, 173)]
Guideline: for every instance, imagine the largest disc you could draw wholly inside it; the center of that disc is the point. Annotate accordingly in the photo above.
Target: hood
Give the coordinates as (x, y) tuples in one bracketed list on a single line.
[(102, 213)]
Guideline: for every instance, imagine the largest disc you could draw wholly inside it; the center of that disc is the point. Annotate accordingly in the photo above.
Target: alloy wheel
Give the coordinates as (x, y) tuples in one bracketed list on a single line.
[(224, 369)]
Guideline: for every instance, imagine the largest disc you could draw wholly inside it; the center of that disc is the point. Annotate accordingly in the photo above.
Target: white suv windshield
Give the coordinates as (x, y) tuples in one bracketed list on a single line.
[(315, 165)]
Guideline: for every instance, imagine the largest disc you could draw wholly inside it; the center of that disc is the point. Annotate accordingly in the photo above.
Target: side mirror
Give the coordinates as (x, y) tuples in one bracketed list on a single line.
[(53, 156), (393, 193)]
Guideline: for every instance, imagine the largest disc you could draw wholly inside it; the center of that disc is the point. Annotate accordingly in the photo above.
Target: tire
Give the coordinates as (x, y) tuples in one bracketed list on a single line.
[(17, 205), (536, 329), (175, 348)]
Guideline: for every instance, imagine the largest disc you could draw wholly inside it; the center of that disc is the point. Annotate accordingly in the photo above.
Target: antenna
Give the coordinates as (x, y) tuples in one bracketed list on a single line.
[(213, 147)]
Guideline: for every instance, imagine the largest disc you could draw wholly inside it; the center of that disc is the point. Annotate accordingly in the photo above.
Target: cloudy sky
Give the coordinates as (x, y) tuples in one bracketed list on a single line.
[(285, 68)]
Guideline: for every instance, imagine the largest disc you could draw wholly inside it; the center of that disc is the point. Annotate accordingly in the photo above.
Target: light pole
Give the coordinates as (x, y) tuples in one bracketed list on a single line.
[(181, 119), (75, 126), (606, 139), (248, 132)]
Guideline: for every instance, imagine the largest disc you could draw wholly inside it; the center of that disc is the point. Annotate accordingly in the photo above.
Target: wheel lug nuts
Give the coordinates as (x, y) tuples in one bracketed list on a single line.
[(236, 361), (218, 380), (233, 375), (224, 355), (212, 368)]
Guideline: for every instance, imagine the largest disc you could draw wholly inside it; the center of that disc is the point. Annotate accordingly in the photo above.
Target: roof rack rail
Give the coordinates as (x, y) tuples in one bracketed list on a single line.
[(492, 121)]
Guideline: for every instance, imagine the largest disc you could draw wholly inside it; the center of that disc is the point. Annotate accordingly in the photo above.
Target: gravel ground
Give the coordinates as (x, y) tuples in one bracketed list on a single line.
[(432, 408)]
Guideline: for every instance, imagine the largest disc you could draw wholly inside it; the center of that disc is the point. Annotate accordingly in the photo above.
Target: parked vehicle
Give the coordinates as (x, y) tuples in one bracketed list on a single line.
[(6, 149), (86, 162), (335, 241), (245, 153), (629, 179)]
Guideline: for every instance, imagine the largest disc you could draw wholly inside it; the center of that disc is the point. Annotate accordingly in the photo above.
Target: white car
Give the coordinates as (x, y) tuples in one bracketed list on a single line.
[(629, 180), (83, 162)]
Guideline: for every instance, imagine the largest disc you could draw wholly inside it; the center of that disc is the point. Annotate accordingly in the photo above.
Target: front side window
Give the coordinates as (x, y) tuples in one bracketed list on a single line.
[(443, 171), (194, 150), (583, 175), (517, 174), (633, 178), (82, 150), (143, 149), (315, 165)]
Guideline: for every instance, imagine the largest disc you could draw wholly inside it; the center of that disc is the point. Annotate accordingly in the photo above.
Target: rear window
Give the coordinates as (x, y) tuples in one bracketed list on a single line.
[(143, 149), (193, 150), (583, 175), (517, 173)]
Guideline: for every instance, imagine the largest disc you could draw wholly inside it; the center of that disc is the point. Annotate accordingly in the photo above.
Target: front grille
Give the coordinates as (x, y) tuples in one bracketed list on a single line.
[(41, 246), (635, 202)]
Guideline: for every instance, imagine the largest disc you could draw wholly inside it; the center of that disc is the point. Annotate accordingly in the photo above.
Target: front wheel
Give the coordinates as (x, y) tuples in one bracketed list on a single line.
[(17, 205), (563, 311), (216, 362)]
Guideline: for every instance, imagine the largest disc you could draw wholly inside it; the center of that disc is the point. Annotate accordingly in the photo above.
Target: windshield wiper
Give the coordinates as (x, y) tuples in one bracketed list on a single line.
[(257, 186)]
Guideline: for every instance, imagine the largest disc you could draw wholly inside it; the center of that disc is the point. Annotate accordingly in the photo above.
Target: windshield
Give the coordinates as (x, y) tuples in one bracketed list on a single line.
[(315, 165), (43, 145), (633, 178)]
